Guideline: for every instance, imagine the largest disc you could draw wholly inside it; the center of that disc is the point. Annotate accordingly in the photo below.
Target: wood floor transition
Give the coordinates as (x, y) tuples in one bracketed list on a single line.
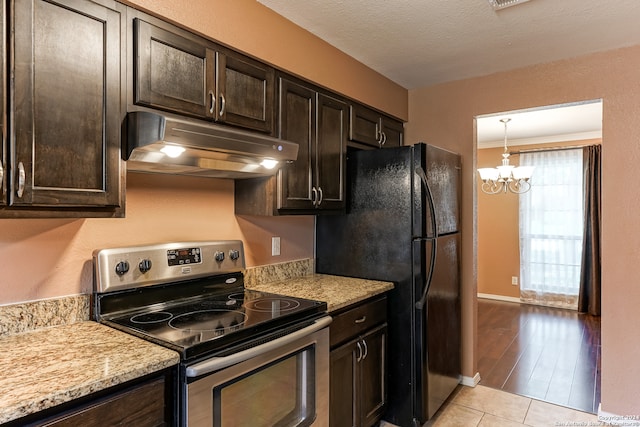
[(545, 353)]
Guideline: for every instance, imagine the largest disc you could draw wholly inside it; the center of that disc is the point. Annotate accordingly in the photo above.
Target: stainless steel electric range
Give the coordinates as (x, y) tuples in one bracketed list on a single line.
[(247, 357)]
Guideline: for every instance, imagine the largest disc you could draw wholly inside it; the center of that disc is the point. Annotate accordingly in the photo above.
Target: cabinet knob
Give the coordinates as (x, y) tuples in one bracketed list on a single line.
[(361, 320), (359, 356), (366, 349), (223, 103), (212, 102), (314, 196), (22, 177), (320, 196)]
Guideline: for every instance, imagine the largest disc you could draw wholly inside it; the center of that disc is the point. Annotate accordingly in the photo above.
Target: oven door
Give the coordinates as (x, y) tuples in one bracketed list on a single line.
[(284, 382)]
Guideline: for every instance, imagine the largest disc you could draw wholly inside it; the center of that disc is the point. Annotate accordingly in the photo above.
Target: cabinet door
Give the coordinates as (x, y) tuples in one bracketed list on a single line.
[(297, 124), (141, 405), (331, 150), (3, 102), (246, 92), (343, 398), (364, 125), (392, 133), (66, 104), (372, 367), (173, 71)]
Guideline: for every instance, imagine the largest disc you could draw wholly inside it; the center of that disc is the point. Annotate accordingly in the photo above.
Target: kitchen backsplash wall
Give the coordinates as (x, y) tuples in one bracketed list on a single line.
[(278, 272), (28, 316), (50, 258)]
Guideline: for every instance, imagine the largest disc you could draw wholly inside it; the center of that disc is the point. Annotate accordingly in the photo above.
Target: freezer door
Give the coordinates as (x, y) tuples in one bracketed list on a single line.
[(443, 170), (437, 353), (373, 239)]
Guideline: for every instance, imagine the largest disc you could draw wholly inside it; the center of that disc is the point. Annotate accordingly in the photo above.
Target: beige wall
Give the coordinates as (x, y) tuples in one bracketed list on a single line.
[(43, 258), (50, 257), (444, 115), (498, 245), (498, 226)]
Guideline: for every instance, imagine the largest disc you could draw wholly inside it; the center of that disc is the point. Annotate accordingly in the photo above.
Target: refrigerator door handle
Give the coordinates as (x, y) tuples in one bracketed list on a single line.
[(423, 177), (423, 299), (432, 209)]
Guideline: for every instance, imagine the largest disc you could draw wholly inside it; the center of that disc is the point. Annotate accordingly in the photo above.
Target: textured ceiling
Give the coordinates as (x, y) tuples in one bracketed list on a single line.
[(418, 43)]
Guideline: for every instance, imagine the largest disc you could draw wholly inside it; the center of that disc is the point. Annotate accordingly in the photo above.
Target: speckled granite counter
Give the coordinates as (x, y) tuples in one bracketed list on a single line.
[(50, 366), (338, 292), (46, 362)]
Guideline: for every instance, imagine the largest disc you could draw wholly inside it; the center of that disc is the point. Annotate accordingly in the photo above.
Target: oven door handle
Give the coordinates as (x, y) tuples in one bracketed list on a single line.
[(216, 363)]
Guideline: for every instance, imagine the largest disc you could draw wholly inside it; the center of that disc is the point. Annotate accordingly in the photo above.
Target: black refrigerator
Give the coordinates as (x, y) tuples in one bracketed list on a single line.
[(402, 225)]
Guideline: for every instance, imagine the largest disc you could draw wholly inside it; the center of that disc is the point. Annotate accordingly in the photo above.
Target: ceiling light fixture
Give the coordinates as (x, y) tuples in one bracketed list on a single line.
[(506, 177), (501, 4)]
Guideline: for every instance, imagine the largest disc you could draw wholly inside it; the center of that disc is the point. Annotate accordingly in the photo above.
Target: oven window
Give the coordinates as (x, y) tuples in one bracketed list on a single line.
[(281, 394)]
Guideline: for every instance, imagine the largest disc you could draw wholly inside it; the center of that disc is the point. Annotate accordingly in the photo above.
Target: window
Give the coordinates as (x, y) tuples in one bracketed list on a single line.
[(551, 227)]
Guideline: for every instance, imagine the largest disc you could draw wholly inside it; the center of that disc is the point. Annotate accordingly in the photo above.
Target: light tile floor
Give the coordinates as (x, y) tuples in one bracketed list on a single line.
[(487, 407), (483, 407)]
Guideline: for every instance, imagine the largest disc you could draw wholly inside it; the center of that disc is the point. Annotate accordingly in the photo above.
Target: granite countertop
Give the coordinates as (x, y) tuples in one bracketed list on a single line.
[(337, 291), (49, 366)]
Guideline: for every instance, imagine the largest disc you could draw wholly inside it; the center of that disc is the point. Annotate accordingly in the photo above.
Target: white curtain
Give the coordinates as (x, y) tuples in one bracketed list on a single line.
[(551, 228)]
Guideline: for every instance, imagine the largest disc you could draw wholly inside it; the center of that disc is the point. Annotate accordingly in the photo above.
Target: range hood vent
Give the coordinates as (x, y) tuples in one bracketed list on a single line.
[(163, 143)]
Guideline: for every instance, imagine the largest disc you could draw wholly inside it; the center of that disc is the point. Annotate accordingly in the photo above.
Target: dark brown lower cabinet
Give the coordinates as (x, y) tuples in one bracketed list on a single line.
[(358, 392), (147, 403)]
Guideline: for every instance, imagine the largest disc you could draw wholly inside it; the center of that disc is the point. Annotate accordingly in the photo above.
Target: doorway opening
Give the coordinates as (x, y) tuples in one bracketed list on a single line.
[(548, 353)]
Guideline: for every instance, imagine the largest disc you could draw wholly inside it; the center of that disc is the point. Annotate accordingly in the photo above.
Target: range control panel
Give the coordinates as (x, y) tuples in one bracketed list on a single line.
[(135, 266)]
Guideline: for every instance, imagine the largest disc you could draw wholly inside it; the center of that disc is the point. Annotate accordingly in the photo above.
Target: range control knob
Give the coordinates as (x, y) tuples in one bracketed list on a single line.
[(219, 256), (144, 266), (122, 267), (234, 254)]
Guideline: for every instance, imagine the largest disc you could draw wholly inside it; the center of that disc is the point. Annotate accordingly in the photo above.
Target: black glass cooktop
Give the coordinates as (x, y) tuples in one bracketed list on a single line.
[(205, 316)]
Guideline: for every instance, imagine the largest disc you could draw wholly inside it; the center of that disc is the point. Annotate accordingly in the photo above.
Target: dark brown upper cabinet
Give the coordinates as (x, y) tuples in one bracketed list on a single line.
[(368, 127), (180, 72), (3, 101), (65, 109), (173, 71), (246, 92), (317, 122), (330, 152), (393, 132)]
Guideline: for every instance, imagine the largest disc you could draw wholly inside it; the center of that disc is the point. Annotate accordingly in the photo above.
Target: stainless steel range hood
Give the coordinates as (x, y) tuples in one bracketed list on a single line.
[(163, 143)]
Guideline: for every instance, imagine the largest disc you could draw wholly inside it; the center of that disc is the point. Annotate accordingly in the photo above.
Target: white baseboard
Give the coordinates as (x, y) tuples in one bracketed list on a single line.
[(607, 418), (470, 381), (499, 297)]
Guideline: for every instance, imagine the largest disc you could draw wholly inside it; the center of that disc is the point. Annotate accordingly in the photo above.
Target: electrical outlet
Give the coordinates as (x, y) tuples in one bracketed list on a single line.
[(514, 280), (275, 246)]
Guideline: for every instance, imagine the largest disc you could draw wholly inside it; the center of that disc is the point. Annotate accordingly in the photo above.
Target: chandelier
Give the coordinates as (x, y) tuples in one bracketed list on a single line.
[(506, 177)]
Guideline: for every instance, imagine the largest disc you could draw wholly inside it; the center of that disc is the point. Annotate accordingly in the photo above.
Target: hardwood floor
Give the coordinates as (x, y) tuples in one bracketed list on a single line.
[(545, 353)]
